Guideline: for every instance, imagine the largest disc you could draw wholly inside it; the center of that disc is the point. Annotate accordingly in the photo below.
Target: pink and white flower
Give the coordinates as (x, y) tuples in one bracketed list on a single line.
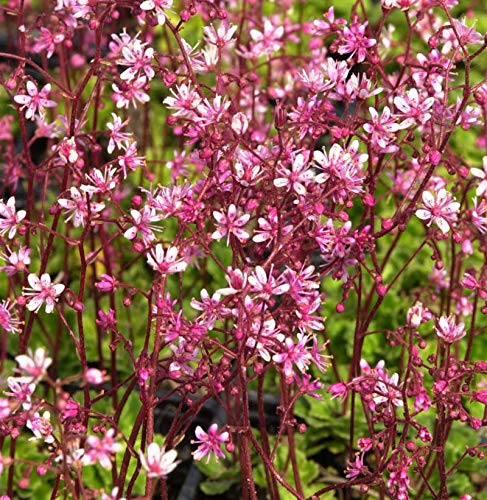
[(450, 331), (9, 320), (42, 291), (10, 217), (41, 427), (210, 442), (16, 261), (166, 262), (35, 100), (158, 462), (79, 207), (158, 7), (101, 450), (229, 223), (33, 365), (440, 208)]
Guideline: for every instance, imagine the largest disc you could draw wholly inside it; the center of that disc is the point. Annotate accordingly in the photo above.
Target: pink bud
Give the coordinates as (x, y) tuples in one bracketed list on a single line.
[(137, 200), (435, 157), (481, 396), (94, 376), (369, 200), (41, 470), (107, 283)]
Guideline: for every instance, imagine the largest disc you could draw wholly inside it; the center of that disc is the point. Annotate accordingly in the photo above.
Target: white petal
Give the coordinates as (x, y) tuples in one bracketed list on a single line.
[(34, 281), (428, 198), (34, 303), (130, 233), (423, 214), (442, 224)]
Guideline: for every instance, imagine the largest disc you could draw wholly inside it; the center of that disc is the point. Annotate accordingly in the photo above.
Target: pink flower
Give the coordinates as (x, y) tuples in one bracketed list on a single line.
[(133, 92), (8, 318), (184, 101), (298, 177), (33, 366), (158, 462), (47, 40), (237, 281), (338, 390), (95, 376), (356, 467), (267, 285), (137, 56), (440, 208), (353, 40), (221, 36), (101, 182), (10, 217), (16, 261), (267, 41), (42, 291), (229, 223), (79, 208), (130, 159), (448, 330), (342, 170), (414, 107), (418, 314), (269, 228), (293, 353), (157, 6), (481, 396), (477, 214), (34, 101), (166, 262), (382, 130), (482, 175), (210, 442), (143, 223), (41, 427), (117, 138), (387, 391), (100, 450), (21, 391), (107, 283)]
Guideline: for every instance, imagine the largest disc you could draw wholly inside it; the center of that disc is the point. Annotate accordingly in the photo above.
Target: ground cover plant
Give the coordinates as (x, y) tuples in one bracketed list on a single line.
[(243, 249)]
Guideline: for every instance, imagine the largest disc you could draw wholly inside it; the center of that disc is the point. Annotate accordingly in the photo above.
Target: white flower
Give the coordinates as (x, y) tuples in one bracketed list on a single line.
[(158, 462), (11, 218), (166, 263), (41, 290), (34, 365)]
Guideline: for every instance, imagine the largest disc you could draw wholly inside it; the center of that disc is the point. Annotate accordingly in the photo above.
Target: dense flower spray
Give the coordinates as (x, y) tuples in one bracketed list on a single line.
[(270, 212)]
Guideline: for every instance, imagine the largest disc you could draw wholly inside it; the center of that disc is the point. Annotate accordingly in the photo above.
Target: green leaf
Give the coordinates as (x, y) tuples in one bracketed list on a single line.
[(211, 487)]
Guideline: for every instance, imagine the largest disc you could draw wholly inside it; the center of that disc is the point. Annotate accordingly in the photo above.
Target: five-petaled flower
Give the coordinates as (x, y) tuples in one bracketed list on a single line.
[(79, 207), (42, 291), (440, 208), (158, 462), (10, 217), (158, 7), (166, 262), (229, 223), (100, 450), (33, 365), (449, 330), (35, 100), (209, 442)]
